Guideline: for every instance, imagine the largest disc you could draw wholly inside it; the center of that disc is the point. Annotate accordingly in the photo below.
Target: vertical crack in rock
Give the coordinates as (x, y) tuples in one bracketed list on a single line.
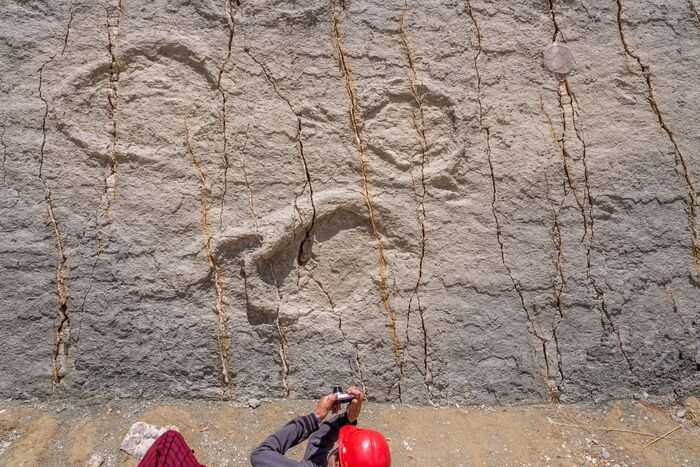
[(284, 343), (556, 233), (558, 243), (112, 180), (60, 346), (691, 200), (4, 150), (588, 220), (98, 250), (222, 335), (477, 31), (249, 188), (558, 281), (553, 17), (418, 121), (358, 359), (687, 330), (355, 122), (244, 275), (674, 306), (305, 246), (567, 160), (600, 295), (599, 291), (561, 142), (499, 235), (61, 335), (573, 102), (695, 11), (71, 14), (550, 381), (230, 10), (62, 330), (293, 234), (556, 320), (43, 121)]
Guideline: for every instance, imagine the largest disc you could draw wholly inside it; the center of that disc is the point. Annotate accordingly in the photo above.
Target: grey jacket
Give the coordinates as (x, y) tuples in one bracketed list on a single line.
[(322, 438)]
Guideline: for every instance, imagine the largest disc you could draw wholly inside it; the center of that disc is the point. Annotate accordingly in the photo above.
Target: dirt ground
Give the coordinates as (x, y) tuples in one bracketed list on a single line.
[(66, 433)]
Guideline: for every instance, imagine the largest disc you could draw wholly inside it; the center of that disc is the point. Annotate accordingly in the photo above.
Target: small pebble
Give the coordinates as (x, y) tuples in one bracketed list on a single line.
[(96, 460), (253, 403)]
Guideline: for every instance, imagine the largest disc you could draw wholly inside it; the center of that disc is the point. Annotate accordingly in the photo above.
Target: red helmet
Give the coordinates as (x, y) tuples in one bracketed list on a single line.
[(362, 448)]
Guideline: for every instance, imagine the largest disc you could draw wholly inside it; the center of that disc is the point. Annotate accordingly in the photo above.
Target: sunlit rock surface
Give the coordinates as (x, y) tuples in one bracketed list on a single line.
[(265, 198)]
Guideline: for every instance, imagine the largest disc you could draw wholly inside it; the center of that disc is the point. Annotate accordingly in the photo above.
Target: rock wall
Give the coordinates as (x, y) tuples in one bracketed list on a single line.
[(264, 198)]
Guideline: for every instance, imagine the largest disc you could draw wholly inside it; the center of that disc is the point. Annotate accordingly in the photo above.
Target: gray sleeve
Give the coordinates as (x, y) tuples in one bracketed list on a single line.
[(270, 453), (323, 439)]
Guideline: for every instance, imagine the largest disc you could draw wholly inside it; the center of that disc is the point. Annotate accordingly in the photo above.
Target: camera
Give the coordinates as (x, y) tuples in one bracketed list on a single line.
[(343, 397)]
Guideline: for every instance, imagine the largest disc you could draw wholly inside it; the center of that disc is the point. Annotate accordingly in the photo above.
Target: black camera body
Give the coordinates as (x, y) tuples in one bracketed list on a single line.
[(343, 397)]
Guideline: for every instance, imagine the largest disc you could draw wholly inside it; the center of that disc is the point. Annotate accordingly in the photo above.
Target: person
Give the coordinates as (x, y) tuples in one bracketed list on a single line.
[(355, 447), (170, 450)]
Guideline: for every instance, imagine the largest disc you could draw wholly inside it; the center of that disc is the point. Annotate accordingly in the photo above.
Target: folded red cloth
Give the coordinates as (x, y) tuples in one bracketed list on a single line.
[(170, 450)]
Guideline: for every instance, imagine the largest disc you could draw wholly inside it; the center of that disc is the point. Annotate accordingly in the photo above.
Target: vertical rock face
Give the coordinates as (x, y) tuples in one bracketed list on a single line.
[(265, 198)]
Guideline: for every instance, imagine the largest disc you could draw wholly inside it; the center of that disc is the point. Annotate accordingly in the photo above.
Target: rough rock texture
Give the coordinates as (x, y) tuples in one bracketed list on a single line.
[(265, 198)]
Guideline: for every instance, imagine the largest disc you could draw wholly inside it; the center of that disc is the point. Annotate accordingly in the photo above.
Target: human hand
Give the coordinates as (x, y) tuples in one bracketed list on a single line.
[(353, 411), (327, 404)]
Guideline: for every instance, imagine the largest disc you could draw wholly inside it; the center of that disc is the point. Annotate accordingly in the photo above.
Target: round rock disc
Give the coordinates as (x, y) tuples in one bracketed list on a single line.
[(558, 60)]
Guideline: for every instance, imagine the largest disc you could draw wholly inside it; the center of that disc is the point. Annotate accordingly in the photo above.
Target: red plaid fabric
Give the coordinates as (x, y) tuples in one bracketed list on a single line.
[(170, 450)]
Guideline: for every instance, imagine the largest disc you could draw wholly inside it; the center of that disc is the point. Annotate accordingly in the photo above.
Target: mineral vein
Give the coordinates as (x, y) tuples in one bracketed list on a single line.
[(222, 334), (355, 122)]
